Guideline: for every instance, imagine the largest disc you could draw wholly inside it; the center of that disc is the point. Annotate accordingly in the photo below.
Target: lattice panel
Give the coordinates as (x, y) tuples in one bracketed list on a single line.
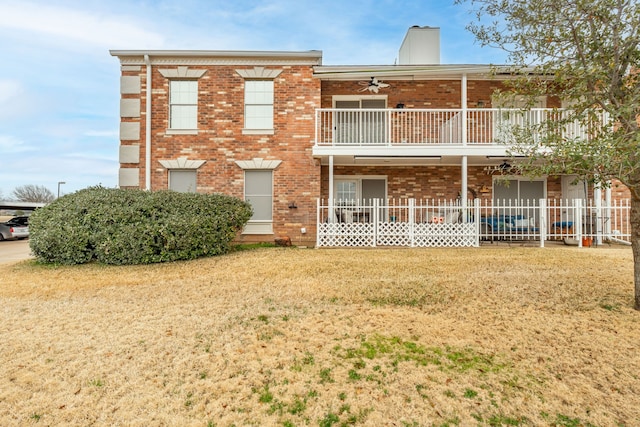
[(345, 234), (444, 235), (397, 234), (393, 234)]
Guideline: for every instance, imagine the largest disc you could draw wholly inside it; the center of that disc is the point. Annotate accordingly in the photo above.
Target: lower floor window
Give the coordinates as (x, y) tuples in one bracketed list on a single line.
[(183, 181), (258, 191)]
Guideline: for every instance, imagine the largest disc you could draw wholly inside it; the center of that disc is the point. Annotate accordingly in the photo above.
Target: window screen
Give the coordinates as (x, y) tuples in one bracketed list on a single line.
[(183, 181), (258, 191)]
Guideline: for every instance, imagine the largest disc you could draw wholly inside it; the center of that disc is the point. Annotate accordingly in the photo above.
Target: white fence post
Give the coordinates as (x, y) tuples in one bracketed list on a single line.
[(543, 221), (318, 221), (577, 204), (476, 219), (412, 220), (376, 213), (599, 220)]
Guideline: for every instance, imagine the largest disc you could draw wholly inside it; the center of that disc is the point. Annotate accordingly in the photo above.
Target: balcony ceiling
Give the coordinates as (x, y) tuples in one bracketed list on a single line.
[(406, 72), (413, 161)]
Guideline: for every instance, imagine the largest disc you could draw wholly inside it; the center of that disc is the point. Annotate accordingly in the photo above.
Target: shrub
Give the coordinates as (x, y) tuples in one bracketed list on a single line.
[(114, 226)]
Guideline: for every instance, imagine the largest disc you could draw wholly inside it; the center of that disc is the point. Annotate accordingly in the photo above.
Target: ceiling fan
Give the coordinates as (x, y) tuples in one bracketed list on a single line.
[(503, 168), (373, 85)]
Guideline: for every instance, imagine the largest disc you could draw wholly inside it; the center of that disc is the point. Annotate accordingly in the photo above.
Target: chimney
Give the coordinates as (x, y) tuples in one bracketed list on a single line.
[(421, 46)]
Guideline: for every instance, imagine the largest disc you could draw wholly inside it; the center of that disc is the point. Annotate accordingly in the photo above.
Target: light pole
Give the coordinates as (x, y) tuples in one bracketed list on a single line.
[(59, 184)]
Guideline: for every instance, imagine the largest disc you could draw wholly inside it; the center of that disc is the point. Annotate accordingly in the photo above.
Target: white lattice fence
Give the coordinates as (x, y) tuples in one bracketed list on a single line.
[(438, 224), (345, 234), (393, 234), (444, 235)]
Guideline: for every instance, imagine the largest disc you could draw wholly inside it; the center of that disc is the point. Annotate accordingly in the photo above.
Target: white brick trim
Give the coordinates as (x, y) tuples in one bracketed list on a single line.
[(181, 72), (182, 163), (129, 153), (258, 73), (129, 177), (258, 163)]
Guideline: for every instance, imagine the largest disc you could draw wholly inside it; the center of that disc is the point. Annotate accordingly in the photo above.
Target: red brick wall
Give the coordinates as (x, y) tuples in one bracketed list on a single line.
[(221, 143), (431, 182), (418, 94), (298, 178), (423, 93)]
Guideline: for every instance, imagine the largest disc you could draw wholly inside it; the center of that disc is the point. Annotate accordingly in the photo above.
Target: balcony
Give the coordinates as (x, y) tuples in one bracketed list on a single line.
[(404, 128)]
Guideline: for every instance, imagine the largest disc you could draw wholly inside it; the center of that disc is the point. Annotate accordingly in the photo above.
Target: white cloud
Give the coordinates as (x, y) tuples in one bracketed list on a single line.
[(10, 145), (77, 26), (9, 90), (15, 100), (102, 133)]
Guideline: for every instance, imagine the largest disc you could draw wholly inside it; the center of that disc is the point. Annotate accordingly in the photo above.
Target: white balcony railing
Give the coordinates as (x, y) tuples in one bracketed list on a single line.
[(389, 127)]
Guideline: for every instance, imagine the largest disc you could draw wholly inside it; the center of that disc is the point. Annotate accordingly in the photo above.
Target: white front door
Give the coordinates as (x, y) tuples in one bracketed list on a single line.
[(572, 189)]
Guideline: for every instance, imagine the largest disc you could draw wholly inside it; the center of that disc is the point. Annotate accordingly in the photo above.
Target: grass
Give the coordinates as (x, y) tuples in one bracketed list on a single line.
[(291, 337)]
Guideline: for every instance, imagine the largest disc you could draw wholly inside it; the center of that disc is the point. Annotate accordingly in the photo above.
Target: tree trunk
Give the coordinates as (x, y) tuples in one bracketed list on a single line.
[(634, 221)]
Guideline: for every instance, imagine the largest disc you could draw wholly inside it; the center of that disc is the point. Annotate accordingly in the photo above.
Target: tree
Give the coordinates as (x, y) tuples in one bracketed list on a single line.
[(33, 193), (586, 53)]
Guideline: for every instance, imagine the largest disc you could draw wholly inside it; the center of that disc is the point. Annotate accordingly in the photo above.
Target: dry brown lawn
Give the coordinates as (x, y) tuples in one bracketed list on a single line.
[(443, 337)]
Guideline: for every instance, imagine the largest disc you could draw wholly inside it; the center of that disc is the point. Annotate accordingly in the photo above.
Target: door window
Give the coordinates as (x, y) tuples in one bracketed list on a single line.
[(364, 126), (514, 196)]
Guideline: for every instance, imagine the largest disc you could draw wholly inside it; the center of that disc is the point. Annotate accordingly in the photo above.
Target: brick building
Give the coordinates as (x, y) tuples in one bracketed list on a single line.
[(283, 131)]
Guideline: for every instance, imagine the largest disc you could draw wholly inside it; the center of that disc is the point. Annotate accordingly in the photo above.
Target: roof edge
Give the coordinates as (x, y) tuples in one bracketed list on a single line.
[(218, 53)]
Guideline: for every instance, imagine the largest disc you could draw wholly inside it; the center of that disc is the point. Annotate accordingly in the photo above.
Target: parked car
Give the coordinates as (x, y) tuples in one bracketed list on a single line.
[(13, 230), (20, 220)]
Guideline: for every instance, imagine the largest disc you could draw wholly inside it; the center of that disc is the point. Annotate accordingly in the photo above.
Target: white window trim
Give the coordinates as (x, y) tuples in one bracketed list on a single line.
[(183, 131), (257, 131)]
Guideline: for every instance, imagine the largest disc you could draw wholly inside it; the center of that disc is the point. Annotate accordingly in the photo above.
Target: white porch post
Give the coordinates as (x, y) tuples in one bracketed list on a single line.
[(463, 104), (607, 214), (331, 197), (464, 189), (331, 179)]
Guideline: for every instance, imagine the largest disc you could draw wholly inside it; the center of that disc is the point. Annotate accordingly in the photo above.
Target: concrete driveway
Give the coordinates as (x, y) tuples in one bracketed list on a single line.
[(14, 250)]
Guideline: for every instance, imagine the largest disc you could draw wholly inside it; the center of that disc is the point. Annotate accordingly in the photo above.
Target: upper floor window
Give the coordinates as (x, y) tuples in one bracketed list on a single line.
[(183, 104), (258, 104)]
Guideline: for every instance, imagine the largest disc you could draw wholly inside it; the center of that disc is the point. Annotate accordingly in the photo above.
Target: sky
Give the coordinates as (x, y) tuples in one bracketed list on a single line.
[(59, 86)]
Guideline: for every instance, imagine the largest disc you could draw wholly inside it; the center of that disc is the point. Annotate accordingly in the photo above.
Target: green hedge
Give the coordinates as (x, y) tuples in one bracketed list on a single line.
[(114, 226)]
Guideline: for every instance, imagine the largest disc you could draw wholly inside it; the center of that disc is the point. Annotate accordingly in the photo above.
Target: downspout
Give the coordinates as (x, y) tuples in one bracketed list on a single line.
[(463, 178), (147, 149)]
